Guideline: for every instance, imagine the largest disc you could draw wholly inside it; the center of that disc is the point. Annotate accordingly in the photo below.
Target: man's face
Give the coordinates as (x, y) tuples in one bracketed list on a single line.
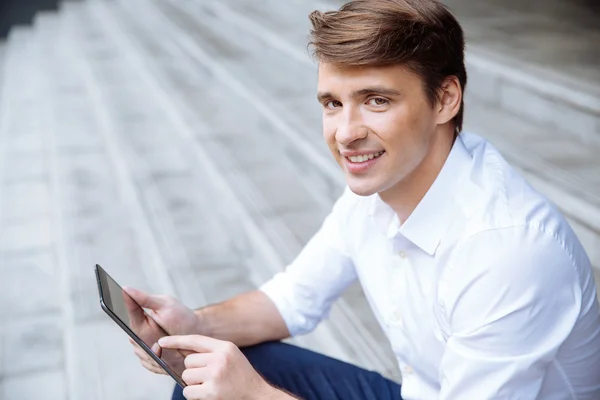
[(377, 123)]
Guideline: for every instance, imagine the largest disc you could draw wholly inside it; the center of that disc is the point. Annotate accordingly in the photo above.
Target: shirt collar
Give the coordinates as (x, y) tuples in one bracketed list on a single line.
[(433, 215)]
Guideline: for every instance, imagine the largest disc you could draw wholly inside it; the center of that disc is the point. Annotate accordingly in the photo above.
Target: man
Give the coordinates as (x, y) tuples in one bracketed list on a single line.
[(479, 283)]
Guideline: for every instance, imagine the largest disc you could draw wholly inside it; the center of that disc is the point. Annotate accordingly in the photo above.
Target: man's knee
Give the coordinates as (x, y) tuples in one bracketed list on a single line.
[(266, 355), (178, 393), (274, 358)]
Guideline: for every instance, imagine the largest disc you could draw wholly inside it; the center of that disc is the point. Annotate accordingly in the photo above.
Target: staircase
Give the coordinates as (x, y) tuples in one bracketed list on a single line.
[(178, 144)]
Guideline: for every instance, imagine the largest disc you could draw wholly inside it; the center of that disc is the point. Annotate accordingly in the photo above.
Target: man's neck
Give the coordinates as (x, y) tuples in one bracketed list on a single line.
[(408, 193)]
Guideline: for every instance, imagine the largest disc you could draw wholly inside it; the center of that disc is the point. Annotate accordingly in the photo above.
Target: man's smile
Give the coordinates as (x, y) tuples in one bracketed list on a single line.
[(361, 162)]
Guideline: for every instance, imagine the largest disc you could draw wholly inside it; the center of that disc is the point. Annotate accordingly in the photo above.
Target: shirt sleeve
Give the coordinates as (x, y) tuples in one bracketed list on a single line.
[(305, 291), (510, 299)]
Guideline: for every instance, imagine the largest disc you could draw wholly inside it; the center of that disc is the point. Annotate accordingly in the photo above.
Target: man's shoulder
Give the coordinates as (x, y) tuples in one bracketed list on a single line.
[(503, 201)]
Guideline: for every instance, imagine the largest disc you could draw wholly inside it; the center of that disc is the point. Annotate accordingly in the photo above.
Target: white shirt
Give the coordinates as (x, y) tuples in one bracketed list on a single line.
[(484, 292)]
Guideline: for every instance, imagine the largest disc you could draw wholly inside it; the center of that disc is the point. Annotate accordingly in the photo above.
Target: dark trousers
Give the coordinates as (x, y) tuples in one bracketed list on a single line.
[(313, 376)]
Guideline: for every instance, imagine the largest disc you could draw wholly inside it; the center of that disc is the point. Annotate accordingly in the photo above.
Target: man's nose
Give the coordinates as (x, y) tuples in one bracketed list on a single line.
[(350, 128)]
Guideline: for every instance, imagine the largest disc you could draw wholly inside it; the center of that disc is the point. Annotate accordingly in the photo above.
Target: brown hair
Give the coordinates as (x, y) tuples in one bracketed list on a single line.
[(420, 34)]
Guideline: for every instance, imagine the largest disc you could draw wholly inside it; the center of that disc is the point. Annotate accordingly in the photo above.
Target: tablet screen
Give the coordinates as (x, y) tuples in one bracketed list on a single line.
[(137, 320)]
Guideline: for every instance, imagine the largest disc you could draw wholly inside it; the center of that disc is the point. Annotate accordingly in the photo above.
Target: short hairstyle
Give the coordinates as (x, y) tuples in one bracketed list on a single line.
[(422, 35)]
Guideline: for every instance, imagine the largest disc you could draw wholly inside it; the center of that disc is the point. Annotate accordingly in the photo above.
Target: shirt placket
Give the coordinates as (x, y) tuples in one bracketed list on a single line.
[(397, 289)]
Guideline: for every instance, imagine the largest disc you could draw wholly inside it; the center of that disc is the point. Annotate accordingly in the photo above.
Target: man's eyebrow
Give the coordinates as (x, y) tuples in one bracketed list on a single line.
[(322, 96), (376, 89)]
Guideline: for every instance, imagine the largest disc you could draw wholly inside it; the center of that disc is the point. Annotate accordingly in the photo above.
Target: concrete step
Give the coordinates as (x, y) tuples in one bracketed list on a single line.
[(539, 61), (94, 220), (31, 334), (562, 167)]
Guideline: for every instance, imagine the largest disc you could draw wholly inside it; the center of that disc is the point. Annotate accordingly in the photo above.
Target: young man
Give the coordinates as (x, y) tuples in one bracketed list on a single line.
[(479, 283)]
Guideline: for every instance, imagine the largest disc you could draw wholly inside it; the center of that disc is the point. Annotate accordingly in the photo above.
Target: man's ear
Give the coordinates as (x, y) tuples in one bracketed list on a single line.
[(449, 100)]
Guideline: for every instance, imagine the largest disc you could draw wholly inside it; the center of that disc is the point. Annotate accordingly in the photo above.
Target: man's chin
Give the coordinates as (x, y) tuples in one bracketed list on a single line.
[(362, 188)]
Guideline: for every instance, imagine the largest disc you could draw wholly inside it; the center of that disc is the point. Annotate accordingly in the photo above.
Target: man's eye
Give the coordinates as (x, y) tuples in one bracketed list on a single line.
[(377, 101), (332, 104)]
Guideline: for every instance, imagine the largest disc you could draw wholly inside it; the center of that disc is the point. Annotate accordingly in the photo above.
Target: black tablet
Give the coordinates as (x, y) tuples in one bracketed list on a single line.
[(132, 318)]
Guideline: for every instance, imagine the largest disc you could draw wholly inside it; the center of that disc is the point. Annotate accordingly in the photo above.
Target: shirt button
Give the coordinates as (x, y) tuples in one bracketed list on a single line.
[(396, 316), (408, 369), (402, 254)]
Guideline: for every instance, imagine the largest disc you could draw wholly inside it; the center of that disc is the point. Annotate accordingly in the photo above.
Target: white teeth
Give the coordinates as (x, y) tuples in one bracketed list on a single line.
[(366, 157)]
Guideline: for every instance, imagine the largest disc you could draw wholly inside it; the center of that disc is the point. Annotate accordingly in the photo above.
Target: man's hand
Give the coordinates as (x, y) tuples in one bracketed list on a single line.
[(168, 316), (147, 361), (218, 370), (172, 316)]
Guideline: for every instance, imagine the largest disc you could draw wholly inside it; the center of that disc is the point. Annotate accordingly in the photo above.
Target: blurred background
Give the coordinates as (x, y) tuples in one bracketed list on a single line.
[(177, 143)]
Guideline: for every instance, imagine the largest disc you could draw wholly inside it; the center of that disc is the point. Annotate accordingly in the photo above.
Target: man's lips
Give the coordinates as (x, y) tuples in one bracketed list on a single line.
[(361, 156), (361, 163)]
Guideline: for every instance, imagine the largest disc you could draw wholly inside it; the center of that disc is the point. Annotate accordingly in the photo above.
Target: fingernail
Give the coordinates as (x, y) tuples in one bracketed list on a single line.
[(155, 347), (162, 341)]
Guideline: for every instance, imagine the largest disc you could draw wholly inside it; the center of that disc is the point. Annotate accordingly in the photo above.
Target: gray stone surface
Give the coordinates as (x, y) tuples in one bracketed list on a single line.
[(305, 223), (49, 385), (555, 35), (179, 145), (2, 55), (32, 344), (26, 201), (30, 286), (24, 167), (546, 110), (107, 368), (24, 237)]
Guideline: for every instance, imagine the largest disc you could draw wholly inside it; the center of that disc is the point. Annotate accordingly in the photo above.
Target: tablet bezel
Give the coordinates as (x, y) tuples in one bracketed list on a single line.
[(131, 334)]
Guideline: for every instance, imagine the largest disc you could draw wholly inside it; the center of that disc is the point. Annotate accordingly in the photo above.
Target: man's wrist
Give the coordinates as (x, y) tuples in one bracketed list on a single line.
[(271, 393), (202, 325)]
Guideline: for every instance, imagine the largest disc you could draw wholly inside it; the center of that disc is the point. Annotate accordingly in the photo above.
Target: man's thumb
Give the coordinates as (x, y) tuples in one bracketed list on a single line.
[(143, 299)]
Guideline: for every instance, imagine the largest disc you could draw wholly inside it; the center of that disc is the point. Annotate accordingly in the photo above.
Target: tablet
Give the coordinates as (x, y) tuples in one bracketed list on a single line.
[(132, 318)]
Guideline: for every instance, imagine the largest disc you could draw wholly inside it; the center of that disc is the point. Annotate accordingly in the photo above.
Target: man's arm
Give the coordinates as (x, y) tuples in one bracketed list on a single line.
[(509, 301), (294, 301), (245, 320)]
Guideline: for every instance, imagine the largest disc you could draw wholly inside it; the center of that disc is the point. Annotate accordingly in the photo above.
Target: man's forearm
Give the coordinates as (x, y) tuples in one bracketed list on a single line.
[(245, 320)]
